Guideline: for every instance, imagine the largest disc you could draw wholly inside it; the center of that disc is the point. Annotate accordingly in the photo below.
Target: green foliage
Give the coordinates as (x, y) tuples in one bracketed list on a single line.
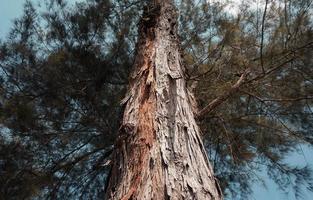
[(65, 69), (271, 114)]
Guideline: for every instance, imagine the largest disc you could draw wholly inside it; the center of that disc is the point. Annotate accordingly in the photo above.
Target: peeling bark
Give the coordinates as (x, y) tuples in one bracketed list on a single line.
[(159, 153)]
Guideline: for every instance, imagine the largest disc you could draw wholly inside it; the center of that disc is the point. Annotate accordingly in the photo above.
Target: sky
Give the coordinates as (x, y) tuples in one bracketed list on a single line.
[(271, 192), (10, 9)]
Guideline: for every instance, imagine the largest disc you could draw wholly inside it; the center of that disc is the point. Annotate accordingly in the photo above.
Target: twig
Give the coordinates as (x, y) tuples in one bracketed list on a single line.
[(262, 36)]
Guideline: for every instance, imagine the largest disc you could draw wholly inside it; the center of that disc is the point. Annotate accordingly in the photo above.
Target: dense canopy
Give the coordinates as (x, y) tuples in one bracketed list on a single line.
[(64, 71)]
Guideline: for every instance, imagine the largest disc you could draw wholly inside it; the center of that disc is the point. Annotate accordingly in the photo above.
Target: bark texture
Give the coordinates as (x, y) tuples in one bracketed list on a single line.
[(159, 153)]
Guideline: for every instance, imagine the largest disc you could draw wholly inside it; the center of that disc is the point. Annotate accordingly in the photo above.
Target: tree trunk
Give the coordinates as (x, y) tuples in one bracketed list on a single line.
[(159, 153)]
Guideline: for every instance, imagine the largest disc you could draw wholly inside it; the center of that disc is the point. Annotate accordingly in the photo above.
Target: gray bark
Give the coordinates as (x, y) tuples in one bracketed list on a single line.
[(159, 153)]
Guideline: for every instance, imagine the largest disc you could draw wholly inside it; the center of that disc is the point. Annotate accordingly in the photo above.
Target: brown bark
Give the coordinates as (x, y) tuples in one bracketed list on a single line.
[(159, 154)]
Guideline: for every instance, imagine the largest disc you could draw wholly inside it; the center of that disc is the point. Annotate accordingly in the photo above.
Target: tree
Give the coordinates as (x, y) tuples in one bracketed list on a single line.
[(159, 153), (65, 69)]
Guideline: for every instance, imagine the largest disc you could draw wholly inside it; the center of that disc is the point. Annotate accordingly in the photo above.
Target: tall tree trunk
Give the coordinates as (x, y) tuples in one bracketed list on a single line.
[(159, 153)]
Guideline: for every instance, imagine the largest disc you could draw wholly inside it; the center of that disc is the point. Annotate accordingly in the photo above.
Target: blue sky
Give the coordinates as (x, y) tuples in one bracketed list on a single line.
[(9, 9), (271, 192)]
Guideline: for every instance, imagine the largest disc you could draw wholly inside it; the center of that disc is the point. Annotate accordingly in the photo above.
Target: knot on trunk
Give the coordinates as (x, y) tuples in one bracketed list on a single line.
[(127, 129), (150, 14)]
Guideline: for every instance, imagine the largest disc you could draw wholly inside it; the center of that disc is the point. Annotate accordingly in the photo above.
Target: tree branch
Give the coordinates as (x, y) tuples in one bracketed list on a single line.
[(219, 100), (262, 36), (243, 81), (277, 100)]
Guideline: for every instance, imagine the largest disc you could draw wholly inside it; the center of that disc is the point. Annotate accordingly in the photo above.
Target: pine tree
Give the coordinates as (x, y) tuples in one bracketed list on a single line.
[(65, 69)]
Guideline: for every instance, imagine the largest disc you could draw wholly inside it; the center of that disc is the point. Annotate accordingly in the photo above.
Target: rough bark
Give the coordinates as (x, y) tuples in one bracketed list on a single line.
[(159, 153)]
